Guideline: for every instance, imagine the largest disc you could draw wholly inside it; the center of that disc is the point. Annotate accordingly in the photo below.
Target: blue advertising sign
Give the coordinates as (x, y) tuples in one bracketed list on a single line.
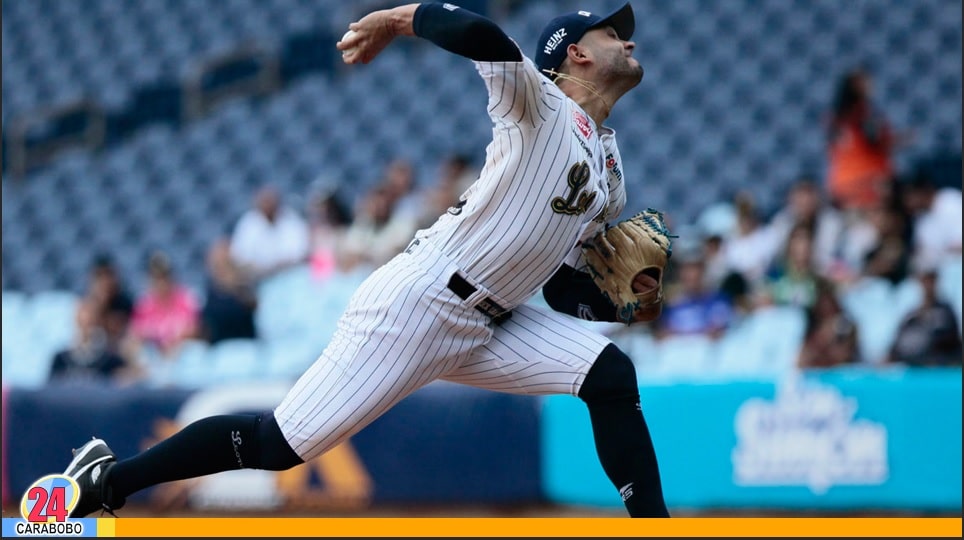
[(839, 439)]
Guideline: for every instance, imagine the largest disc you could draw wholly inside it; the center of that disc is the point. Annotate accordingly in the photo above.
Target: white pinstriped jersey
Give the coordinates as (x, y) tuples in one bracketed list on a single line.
[(551, 178)]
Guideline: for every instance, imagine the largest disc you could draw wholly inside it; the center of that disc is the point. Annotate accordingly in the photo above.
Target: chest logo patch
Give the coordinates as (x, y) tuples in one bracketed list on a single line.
[(577, 200), (582, 123)]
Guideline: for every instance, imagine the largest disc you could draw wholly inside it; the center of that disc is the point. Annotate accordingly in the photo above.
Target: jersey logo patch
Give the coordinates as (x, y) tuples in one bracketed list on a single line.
[(585, 313), (613, 166), (577, 201), (582, 123)]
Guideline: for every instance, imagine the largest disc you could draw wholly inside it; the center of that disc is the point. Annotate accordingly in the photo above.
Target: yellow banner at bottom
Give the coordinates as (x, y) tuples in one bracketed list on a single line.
[(535, 527)]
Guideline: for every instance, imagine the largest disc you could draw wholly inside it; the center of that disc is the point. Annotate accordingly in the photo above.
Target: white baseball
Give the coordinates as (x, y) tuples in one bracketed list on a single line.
[(347, 35)]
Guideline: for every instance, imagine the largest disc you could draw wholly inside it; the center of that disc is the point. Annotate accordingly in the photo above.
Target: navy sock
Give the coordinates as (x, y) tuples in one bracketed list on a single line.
[(207, 446), (622, 438)]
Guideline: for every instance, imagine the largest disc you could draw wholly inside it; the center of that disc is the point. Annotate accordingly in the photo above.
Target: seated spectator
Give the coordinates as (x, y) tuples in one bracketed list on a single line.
[(376, 235), (454, 178), (936, 215), (90, 358), (737, 289), (107, 294), (715, 269), (793, 280), (690, 306), (751, 249), (877, 241), (929, 335), (168, 312), (806, 207), (890, 256), (328, 218), (400, 186), (270, 237), (115, 306), (831, 335), (457, 173), (230, 300)]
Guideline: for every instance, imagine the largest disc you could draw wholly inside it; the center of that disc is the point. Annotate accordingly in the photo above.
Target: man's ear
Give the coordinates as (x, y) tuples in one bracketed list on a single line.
[(576, 53)]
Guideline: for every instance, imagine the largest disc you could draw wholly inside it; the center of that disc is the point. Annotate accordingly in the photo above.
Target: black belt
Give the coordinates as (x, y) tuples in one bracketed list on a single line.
[(487, 306)]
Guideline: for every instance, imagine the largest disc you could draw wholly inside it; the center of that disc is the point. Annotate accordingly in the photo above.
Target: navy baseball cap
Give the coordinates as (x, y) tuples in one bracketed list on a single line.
[(569, 28)]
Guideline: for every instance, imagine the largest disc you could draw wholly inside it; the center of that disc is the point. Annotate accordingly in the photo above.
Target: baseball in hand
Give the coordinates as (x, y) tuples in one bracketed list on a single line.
[(347, 35)]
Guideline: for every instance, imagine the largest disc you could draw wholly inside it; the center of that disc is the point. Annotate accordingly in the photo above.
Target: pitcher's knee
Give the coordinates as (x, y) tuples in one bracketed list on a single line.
[(275, 452), (612, 376)]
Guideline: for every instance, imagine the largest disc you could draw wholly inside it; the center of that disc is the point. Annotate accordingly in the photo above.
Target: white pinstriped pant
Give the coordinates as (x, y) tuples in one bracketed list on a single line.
[(403, 329)]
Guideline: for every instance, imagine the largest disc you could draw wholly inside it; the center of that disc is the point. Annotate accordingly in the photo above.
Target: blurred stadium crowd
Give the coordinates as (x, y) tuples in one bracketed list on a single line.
[(193, 188)]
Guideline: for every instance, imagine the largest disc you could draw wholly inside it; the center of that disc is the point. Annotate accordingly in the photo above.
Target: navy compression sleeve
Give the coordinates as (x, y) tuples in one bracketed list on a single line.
[(574, 293), (464, 33)]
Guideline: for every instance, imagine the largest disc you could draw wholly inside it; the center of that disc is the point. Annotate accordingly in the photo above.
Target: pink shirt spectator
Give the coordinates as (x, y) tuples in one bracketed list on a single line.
[(166, 320)]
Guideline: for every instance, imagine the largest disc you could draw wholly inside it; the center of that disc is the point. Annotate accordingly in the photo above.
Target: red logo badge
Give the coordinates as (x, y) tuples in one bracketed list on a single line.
[(582, 123)]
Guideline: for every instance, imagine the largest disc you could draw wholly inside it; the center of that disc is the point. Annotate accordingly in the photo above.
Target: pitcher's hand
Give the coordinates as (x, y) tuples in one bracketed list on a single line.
[(370, 35)]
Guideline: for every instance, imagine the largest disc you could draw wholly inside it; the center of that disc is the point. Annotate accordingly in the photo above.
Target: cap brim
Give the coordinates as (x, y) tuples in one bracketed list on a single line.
[(622, 20)]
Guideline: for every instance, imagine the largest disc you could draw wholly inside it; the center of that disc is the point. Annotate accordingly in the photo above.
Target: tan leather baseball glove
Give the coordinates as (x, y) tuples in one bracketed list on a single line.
[(632, 252)]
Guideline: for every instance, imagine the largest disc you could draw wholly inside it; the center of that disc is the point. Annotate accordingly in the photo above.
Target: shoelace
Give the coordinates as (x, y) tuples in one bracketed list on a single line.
[(107, 509)]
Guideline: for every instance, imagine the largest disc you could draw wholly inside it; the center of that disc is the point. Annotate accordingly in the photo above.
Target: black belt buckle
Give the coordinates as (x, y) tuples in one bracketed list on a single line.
[(487, 306)]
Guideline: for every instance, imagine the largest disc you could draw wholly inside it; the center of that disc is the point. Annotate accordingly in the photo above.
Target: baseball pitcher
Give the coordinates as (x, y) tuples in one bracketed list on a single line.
[(540, 218)]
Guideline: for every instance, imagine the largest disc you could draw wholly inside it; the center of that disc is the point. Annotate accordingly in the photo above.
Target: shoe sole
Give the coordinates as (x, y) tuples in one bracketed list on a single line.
[(84, 450)]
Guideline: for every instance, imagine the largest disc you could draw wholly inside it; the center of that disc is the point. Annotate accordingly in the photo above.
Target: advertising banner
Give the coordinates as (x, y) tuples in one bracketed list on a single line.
[(443, 444), (839, 439)]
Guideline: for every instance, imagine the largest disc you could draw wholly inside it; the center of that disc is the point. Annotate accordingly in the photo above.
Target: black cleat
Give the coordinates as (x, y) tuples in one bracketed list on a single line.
[(89, 468)]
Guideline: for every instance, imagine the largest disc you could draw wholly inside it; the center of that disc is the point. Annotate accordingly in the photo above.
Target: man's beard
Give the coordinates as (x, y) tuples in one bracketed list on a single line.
[(621, 72), (634, 73)]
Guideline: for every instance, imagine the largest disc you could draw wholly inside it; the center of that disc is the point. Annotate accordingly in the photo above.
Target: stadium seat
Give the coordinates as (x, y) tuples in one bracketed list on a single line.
[(907, 296), (877, 330), (949, 284), (868, 294), (779, 331), (287, 359), (191, 367), (681, 358), (274, 318), (15, 316), (26, 363), (51, 317), (765, 342), (739, 354), (765, 116), (13, 304), (236, 360)]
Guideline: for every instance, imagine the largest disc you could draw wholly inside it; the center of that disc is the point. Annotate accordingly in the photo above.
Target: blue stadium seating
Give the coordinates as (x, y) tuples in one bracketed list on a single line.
[(735, 95)]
